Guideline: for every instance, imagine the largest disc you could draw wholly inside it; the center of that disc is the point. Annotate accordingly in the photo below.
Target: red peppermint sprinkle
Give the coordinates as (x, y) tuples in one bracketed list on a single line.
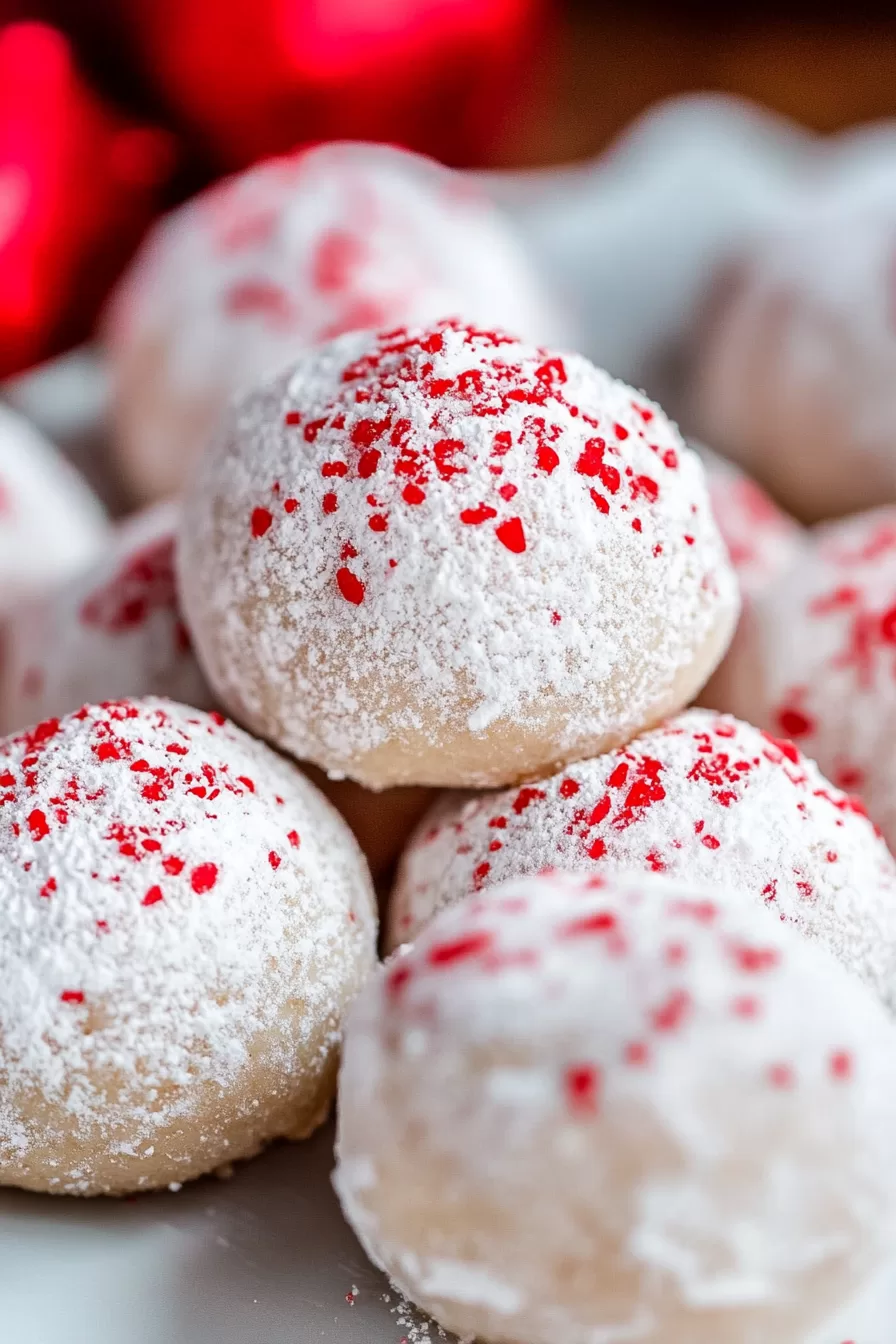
[(481, 514), (350, 586), (511, 535), (460, 949), (204, 877), (581, 1085), (261, 521)]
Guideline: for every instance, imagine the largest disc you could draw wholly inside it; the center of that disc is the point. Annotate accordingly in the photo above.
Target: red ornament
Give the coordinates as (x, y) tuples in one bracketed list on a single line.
[(257, 77), (77, 188)]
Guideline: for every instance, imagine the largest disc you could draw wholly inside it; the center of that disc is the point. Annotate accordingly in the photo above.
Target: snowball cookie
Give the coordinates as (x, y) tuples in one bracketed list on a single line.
[(445, 557), (113, 631), (51, 523), (291, 253), (704, 798), (699, 1105), (796, 374), (816, 659), (761, 539), (183, 919)]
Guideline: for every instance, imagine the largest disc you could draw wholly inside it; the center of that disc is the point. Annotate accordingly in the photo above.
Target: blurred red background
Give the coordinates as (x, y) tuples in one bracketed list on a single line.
[(126, 106)]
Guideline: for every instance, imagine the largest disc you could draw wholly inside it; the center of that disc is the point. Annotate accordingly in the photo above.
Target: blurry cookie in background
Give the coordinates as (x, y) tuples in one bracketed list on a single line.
[(51, 523), (291, 253), (795, 372)]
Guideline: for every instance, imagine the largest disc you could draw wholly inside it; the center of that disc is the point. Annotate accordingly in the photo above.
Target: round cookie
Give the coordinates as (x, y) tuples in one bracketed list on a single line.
[(796, 371), (445, 557), (113, 631), (704, 798), (284, 256), (619, 1108), (761, 539), (183, 920), (815, 658), (51, 523)]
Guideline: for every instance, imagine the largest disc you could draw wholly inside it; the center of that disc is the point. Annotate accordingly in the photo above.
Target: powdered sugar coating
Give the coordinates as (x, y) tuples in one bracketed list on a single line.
[(183, 921), (704, 798), (291, 253), (446, 557), (619, 1108), (113, 631), (762, 541), (816, 659), (794, 376), (51, 524)]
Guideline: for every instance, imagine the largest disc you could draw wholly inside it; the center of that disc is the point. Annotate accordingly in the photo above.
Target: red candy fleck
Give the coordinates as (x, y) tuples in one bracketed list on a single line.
[(794, 723), (460, 949), (511, 535), (581, 1085), (153, 896), (37, 824), (481, 514), (261, 521), (599, 922), (72, 996), (841, 1065), (350, 586), (671, 1014), (204, 877), (755, 960)]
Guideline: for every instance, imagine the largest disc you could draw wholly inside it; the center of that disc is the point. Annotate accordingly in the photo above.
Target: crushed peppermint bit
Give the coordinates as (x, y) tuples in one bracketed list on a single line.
[(775, 821), (116, 629), (150, 952), (403, 604), (753, 1151), (295, 251), (816, 660)]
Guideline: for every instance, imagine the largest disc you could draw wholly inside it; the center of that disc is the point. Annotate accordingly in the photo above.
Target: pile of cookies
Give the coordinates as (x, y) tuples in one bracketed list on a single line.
[(628, 1071)]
